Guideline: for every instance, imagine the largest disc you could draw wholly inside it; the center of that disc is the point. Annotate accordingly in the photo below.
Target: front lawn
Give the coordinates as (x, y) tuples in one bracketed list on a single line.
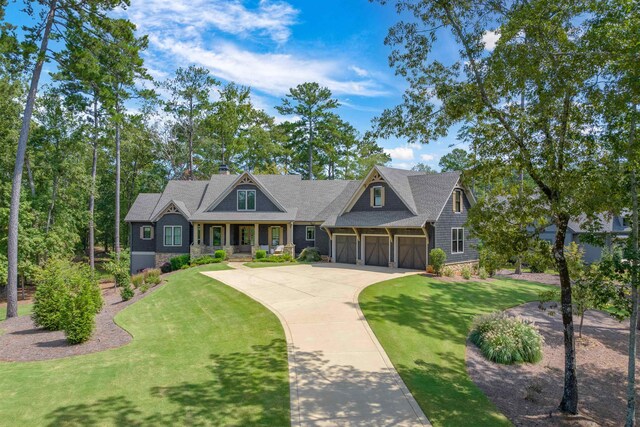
[(202, 354), (423, 324)]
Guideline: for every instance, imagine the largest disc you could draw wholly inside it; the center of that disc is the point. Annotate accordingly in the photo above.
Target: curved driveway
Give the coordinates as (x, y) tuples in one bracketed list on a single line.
[(339, 374)]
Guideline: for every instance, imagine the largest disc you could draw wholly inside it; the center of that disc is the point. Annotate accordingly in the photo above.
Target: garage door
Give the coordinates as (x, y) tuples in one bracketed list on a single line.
[(346, 249), (376, 250), (412, 253)]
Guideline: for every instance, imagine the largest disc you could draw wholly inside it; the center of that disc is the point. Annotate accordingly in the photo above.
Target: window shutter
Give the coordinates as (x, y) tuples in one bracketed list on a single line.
[(151, 235), (371, 196), (142, 232), (382, 195)]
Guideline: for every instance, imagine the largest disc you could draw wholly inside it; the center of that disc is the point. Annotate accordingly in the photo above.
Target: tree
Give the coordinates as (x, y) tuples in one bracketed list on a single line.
[(423, 167), (188, 104), (521, 104), (457, 160), (88, 14), (311, 103)]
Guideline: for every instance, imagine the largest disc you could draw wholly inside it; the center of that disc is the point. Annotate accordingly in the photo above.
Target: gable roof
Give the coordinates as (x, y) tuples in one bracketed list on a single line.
[(249, 178), (143, 207)]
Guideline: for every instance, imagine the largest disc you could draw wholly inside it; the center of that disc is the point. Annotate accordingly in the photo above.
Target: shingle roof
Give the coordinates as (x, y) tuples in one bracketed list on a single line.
[(143, 207), (308, 201)]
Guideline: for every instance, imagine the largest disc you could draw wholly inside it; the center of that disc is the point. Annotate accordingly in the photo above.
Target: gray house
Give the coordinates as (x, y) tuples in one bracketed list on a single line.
[(391, 218), (613, 229)]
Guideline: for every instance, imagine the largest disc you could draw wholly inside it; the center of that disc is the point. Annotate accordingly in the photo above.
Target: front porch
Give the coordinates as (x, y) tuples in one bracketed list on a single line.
[(241, 238)]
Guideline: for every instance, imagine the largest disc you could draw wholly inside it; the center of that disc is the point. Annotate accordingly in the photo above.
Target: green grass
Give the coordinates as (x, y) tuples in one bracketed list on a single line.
[(23, 310), (423, 324), (202, 354)]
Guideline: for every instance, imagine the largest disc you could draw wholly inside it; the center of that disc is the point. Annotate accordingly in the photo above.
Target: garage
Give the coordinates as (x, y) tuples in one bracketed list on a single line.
[(346, 249), (376, 250), (412, 253)]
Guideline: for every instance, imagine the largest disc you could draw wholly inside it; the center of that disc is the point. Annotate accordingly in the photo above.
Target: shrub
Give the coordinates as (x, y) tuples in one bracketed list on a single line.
[(437, 258), (144, 288), (137, 280), (51, 293), (491, 261), (278, 258), (153, 280), (119, 268), (205, 260), (179, 262), (575, 260), (447, 272), (539, 257), (482, 273), (152, 276), (466, 272), (551, 295), (430, 269), (310, 255), (261, 253), (126, 292), (185, 266), (81, 306), (505, 339), (165, 267), (220, 253)]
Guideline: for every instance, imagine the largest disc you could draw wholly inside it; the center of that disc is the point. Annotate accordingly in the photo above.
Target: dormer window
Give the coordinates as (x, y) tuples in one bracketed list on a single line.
[(457, 201), (246, 200), (377, 196)]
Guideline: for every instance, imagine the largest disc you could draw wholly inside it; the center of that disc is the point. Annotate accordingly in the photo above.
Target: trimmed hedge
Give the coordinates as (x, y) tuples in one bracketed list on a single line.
[(506, 339), (278, 258), (221, 254), (310, 255), (178, 261), (437, 257), (261, 254), (205, 260)]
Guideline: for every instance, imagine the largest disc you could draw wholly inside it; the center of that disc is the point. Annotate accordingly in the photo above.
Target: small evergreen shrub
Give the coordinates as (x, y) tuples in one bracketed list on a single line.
[(505, 339), (51, 293), (153, 280), (466, 272), (152, 276), (137, 280), (82, 305), (482, 273), (437, 258), (221, 254), (165, 267), (126, 292), (179, 262), (144, 288), (278, 258), (205, 260), (447, 272), (261, 254), (119, 268), (185, 266), (491, 261), (310, 255), (539, 258)]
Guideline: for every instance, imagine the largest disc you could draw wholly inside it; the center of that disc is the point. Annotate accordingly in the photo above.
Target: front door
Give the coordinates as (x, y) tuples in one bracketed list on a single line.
[(247, 237)]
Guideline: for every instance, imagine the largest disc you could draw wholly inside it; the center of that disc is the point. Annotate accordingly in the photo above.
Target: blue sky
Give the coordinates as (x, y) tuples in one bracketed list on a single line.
[(272, 45)]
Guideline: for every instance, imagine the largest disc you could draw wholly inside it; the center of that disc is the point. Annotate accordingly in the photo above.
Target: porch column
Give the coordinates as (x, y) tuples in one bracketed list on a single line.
[(227, 234), (290, 248)]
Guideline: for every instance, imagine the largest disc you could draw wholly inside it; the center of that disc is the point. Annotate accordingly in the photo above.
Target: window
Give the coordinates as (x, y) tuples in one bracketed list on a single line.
[(216, 236), (626, 222), (173, 235), (457, 240), (246, 200), (275, 236), (146, 232), (311, 233), (377, 197), (247, 234), (457, 201)]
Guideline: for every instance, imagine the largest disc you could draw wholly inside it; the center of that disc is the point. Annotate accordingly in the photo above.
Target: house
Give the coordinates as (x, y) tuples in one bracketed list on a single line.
[(391, 218), (613, 229)]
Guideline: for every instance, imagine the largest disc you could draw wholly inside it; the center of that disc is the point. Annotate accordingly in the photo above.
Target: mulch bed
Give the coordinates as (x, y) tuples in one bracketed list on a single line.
[(545, 278), (22, 341), (529, 394)]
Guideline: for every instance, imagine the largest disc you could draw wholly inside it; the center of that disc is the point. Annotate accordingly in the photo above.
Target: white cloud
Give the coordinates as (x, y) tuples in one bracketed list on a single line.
[(189, 17), (361, 72), (490, 38), (273, 73), (427, 157), (400, 153), (403, 165)]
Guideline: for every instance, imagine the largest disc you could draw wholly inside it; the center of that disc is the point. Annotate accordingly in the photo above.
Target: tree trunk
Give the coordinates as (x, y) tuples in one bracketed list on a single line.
[(633, 322), (52, 205), (32, 185), (14, 210), (116, 238), (569, 403), (92, 192)]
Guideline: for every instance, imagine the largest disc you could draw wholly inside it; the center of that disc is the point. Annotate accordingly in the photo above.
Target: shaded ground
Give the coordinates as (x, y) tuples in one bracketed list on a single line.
[(22, 341), (546, 278), (202, 354), (423, 324), (526, 393)]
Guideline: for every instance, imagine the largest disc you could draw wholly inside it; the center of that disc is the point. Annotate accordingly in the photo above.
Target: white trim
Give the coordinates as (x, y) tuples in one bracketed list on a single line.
[(164, 212), (395, 247), (467, 192), (142, 253), (451, 241), (364, 247), (381, 205), (237, 182), (221, 227), (173, 239), (142, 227), (459, 191), (246, 199), (333, 245), (306, 233)]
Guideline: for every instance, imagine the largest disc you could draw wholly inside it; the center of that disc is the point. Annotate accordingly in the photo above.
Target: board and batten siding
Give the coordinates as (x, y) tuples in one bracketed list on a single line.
[(391, 200), (187, 234), (322, 241), (442, 233), (137, 244), (230, 202)]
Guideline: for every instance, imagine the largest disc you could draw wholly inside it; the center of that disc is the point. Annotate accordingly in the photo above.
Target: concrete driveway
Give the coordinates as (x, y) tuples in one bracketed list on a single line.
[(339, 374)]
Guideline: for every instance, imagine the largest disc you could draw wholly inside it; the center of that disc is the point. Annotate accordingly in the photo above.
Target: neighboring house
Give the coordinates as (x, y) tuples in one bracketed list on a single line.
[(391, 218), (613, 229)]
